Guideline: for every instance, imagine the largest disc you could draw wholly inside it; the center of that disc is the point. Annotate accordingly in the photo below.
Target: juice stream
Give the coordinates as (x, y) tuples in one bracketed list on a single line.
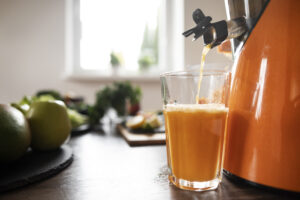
[(204, 53)]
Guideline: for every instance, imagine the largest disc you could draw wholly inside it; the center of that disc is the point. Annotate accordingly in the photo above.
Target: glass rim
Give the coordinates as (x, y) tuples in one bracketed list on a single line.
[(194, 73)]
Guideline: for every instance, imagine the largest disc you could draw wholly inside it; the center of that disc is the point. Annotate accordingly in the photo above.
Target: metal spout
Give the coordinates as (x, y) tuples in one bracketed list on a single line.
[(215, 33)]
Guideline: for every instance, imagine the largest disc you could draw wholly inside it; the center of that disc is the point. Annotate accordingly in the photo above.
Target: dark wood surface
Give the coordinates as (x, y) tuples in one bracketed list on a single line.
[(106, 167)]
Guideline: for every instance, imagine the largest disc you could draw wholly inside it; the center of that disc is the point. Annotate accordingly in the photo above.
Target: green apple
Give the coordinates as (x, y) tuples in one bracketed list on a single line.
[(49, 124), (14, 134)]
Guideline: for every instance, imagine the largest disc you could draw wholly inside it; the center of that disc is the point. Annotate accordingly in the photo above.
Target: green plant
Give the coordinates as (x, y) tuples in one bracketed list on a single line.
[(124, 91), (145, 62), (116, 59), (97, 111), (114, 96), (149, 49)]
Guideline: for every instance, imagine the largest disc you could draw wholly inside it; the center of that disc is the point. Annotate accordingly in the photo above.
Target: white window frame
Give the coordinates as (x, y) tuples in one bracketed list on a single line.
[(171, 45)]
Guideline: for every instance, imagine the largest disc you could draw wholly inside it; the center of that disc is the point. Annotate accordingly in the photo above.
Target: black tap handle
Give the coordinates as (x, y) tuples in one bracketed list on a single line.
[(203, 24), (198, 16)]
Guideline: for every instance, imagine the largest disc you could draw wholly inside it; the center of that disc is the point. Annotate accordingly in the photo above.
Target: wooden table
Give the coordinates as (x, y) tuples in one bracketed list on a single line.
[(105, 167)]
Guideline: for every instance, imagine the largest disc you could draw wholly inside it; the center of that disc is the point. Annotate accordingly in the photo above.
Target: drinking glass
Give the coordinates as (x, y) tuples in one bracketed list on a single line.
[(195, 127)]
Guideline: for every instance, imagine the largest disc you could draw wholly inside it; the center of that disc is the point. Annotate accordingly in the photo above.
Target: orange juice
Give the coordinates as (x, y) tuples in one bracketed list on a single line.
[(195, 137), (203, 56)]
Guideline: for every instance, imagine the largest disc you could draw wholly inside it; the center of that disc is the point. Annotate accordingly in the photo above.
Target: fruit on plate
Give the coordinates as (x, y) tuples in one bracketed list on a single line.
[(26, 101), (23, 108), (49, 124), (15, 134), (145, 121), (76, 118), (153, 122), (135, 122)]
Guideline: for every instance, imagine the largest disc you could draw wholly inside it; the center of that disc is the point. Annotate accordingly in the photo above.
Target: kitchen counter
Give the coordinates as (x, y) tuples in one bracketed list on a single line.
[(106, 167)]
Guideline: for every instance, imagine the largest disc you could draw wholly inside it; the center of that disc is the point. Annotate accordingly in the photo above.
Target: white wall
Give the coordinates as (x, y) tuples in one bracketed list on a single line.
[(32, 49)]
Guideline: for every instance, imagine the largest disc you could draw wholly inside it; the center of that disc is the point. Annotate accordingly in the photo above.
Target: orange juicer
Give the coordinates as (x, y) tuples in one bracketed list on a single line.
[(263, 135)]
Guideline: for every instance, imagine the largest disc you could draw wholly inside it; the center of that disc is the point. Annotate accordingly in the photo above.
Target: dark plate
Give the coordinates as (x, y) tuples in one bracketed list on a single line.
[(34, 167), (81, 130)]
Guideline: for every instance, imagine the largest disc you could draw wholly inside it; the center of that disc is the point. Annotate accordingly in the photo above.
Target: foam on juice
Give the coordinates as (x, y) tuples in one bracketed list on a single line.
[(196, 108)]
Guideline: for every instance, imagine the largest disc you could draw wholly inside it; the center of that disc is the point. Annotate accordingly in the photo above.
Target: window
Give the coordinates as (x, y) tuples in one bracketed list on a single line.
[(133, 37)]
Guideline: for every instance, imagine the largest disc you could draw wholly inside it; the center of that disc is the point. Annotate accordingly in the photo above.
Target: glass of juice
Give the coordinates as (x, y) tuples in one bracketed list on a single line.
[(195, 110)]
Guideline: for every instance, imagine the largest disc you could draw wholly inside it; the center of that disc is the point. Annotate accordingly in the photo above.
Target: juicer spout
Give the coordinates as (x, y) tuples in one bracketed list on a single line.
[(203, 24), (215, 33)]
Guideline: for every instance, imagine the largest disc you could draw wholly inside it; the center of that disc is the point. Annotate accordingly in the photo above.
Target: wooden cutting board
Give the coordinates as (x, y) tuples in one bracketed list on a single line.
[(140, 139)]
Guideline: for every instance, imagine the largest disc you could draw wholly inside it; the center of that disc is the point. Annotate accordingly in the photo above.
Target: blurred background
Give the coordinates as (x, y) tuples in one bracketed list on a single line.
[(79, 46)]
